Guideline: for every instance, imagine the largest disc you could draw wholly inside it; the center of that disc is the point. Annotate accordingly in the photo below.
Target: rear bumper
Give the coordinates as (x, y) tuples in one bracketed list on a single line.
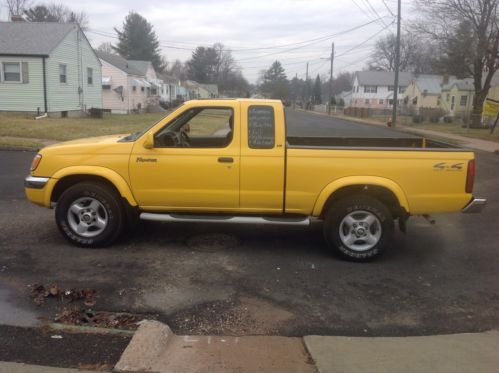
[(475, 206)]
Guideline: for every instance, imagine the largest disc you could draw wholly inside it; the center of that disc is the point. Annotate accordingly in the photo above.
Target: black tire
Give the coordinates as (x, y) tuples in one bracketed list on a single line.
[(360, 204), (110, 206)]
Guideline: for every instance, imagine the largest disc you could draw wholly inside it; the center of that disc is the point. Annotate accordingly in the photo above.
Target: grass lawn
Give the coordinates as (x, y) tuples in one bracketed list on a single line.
[(61, 129), (456, 129), (20, 143)]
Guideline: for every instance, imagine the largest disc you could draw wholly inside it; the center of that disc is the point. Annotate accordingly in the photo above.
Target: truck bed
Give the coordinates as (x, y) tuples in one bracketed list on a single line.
[(369, 143)]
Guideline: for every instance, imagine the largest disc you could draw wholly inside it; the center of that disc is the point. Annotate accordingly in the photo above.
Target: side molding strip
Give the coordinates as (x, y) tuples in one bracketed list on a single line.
[(224, 219)]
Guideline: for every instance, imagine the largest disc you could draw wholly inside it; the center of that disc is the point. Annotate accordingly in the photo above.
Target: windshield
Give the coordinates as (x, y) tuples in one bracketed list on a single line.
[(135, 135)]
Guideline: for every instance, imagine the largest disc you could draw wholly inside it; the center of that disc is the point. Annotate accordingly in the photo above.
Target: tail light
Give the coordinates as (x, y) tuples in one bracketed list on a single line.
[(470, 176)]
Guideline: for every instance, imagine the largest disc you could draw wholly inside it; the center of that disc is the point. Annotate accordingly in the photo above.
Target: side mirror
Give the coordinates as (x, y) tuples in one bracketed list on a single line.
[(149, 141)]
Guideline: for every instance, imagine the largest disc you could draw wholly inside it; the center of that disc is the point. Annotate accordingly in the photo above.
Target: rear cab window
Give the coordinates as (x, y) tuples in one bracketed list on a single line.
[(261, 127)]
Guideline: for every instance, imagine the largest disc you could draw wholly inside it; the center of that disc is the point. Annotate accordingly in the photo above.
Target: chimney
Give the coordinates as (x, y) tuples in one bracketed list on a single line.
[(17, 18), (445, 79)]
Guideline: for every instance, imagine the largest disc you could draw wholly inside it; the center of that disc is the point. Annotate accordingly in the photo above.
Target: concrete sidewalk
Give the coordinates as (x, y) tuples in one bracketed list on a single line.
[(154, 348), (467, 142), (457, 353)]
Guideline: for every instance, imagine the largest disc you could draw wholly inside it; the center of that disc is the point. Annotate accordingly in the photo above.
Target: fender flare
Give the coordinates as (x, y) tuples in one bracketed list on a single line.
[(112, 176), (359, 180)]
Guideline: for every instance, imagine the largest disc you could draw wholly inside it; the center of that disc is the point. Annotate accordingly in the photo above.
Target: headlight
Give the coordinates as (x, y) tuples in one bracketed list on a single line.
[(35, 162)]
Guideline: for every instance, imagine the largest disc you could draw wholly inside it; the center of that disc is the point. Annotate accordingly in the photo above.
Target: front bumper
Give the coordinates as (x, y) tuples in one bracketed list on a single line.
[(35, 182), (475, 206)]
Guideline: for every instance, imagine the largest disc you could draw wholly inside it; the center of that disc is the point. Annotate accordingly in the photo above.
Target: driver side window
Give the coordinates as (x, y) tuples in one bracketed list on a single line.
[(210, 127)]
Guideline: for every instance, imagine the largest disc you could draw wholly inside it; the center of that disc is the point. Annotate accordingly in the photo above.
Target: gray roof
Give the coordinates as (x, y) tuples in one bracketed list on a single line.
[(32, 38), (168, 78), (212, 88), (119, 62), (431, 84), (461, 84), (382, 78), (141, 66)]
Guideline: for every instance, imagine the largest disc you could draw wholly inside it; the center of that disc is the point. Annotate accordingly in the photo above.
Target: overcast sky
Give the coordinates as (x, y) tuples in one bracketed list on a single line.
[(249, 24)]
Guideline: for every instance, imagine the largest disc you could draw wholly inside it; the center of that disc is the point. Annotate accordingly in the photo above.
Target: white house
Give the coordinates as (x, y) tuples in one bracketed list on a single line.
[(48, 68), (124, 87), (374, 89)]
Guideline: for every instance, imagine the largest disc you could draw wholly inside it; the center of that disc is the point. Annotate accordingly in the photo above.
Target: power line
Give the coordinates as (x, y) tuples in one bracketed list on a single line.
[(365, 41), (387, 7), (373, 10), (314, 42), (298, 45)]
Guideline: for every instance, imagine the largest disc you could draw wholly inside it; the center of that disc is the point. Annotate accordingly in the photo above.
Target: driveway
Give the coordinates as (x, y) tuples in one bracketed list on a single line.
[(222, 279)]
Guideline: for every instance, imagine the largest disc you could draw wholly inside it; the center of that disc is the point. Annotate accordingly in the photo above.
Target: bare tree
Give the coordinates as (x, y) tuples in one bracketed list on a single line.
[(414, 55), (442, 20), (55, 13), (106, 47), (17, 7)]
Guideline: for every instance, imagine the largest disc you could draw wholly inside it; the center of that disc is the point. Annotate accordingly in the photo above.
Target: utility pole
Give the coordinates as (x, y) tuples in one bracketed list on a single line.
[(330, 81), (306, 89), (397, 65)]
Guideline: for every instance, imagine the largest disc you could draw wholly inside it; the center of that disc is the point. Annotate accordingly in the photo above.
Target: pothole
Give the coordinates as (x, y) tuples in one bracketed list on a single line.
[(212, 242)]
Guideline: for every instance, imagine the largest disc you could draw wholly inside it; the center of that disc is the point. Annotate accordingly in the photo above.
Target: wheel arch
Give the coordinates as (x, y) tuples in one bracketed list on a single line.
[(385, 190), (69, 176)]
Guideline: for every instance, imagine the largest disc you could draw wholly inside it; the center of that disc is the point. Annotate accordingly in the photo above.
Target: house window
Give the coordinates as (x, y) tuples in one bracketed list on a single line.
[(390, 101), (381, 101), (463, 101), (453, 102), (415, 100), (63, 73), (447, 97), (90, 76), (391, 88), (370, 89), (366, 101), (134, 88), (401, 89), (142, 89), (12, 72)]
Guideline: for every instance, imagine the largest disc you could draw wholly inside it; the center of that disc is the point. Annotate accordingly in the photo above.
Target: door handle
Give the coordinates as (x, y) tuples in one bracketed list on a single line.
[(226, 159)]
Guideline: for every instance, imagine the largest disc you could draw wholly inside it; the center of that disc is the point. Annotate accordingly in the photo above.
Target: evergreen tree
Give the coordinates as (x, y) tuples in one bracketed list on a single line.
[(317, 94), (275, 83), (138, 41)]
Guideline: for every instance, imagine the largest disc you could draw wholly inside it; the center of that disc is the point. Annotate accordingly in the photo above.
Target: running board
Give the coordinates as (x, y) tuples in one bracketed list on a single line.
[(224, 219)]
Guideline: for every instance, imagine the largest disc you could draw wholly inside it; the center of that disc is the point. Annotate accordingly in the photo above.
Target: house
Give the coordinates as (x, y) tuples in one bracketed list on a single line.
[(196, 90), (457, 97), (48, 68), (424, 91), (146, 68), (374, 89), (169, 92), (212, 89), (345, 97), (124, 87)]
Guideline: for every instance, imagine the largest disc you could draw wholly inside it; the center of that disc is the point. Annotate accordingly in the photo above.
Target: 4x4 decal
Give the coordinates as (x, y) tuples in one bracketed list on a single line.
[(443, 166)]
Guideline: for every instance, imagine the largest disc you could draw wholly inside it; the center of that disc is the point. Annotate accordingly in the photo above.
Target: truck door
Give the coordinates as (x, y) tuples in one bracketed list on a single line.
[(262, 158), (194, 163)]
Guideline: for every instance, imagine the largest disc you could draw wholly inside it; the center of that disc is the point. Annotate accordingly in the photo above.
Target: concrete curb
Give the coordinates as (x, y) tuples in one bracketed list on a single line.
[(148, 342)]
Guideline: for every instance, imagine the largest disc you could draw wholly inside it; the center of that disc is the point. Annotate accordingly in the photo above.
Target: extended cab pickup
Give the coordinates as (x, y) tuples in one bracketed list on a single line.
[(231, 161)]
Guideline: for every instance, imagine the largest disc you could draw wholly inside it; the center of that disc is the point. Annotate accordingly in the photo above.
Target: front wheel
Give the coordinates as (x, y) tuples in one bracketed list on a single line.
[(90, 215), (358, 227)]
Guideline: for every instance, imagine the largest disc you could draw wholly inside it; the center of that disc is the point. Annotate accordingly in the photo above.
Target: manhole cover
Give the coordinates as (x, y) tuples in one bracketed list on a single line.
[(212, 242)]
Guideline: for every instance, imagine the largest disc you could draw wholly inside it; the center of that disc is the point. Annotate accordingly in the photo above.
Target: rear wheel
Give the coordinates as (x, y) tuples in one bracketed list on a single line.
[(358, 227), (90, 215)]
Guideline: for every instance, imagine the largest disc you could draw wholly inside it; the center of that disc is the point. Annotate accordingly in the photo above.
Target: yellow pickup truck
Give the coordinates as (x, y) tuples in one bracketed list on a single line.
[(230, 161)]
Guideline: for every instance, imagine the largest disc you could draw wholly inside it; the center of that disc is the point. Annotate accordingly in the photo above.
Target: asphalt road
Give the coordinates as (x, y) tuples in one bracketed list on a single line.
[(222, 279)]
